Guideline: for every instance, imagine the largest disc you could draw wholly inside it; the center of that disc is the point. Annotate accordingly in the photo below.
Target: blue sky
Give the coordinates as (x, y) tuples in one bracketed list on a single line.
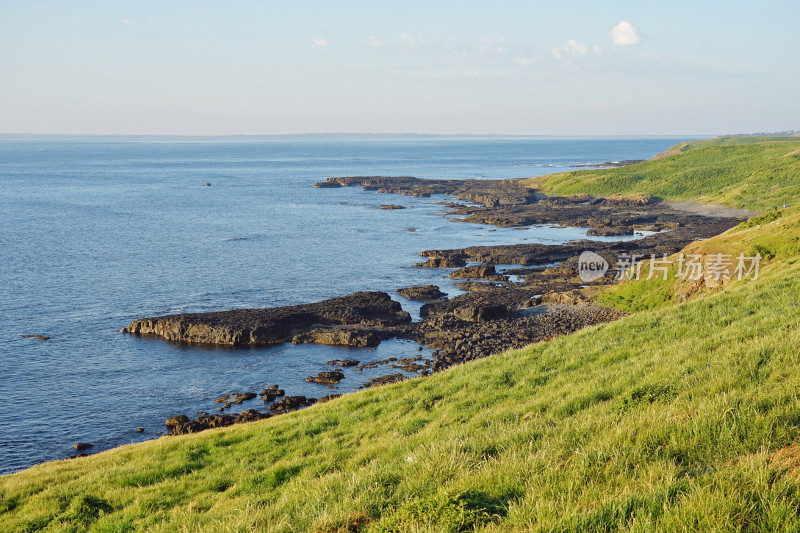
[(541, 68)]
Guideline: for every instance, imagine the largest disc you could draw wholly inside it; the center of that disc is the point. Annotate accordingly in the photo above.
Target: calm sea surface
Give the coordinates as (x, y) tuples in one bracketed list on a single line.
[(96, 233)]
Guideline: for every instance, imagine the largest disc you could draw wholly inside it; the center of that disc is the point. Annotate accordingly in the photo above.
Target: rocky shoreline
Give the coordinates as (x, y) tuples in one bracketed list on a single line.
[(502, 308), (355, 320)]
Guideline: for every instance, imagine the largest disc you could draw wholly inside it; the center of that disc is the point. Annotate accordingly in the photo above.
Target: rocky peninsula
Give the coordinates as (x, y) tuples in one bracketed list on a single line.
[(501, 307), (355, 320)]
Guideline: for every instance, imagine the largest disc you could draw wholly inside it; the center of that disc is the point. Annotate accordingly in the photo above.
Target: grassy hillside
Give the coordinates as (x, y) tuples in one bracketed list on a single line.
[(723, 141), (749, 172), (774, 235), (685, 417), (677, 417)]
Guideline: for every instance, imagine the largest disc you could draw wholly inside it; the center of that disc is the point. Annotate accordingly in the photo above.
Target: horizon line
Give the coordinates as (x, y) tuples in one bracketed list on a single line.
[(358, 134)]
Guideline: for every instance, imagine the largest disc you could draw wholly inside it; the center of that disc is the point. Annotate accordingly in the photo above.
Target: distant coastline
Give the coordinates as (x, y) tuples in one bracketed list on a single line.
[(321, 136)]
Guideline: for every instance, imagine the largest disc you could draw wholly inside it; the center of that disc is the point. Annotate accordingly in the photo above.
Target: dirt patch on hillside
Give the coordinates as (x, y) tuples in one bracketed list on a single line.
[(708, 210)]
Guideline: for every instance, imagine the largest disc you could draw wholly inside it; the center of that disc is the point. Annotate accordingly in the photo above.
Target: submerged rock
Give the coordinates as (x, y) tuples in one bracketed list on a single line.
[(40, 337)]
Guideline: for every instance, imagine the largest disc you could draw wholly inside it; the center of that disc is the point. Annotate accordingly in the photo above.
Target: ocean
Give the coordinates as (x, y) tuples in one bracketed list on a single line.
[(97, 232)]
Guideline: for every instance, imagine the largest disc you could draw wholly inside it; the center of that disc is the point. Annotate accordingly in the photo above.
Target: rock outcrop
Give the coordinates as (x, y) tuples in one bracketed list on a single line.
[(486, 272), (355, 337), (271, 393), (490, 193), (182, 424), (292, 403), (422, 293), (327, 377), (610, 231), (280, 324)]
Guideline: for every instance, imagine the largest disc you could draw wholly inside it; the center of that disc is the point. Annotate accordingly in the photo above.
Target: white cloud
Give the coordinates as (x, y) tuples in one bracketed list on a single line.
[(525, 60), (410, 40), (320, 41), (573, 48), (576, 48), (625, 34), (127, 21)]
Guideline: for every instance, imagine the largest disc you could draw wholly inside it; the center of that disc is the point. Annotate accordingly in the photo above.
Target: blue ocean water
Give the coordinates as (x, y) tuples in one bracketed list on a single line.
[(98, 232)]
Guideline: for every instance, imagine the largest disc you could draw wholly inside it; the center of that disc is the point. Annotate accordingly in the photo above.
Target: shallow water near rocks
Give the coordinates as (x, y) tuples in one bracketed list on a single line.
[(96, 233)]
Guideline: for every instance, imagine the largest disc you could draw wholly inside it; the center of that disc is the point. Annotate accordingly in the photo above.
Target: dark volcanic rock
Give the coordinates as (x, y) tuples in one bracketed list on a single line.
[(391, 206), (276, 325), (271, 393), (328, 398), (333, 376), (384, 380), (343, 362), (477, 285), (342, 336), (478, 272), (442, 262), (240, 397), (477, 306), (290, 403), (566, 200), (455, 341), (610, 231), (236, 397), (412, 364), (490, 193), (422, 293), (376, 364), (565, 298), (494, 317), (475, 271), (182, 425), (480, 313)]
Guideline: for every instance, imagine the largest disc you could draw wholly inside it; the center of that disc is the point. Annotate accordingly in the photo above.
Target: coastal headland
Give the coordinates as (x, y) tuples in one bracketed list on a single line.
[(684, 411), (537, 295)]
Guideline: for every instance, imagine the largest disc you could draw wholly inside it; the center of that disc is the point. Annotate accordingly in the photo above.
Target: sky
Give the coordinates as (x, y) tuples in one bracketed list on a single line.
[(502, 67)]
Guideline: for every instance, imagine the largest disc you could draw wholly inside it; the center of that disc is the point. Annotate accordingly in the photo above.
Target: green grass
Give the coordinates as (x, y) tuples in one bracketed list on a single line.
[(753, 173), (678, 417), (666, 420), (729, 141), (774, 235)]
